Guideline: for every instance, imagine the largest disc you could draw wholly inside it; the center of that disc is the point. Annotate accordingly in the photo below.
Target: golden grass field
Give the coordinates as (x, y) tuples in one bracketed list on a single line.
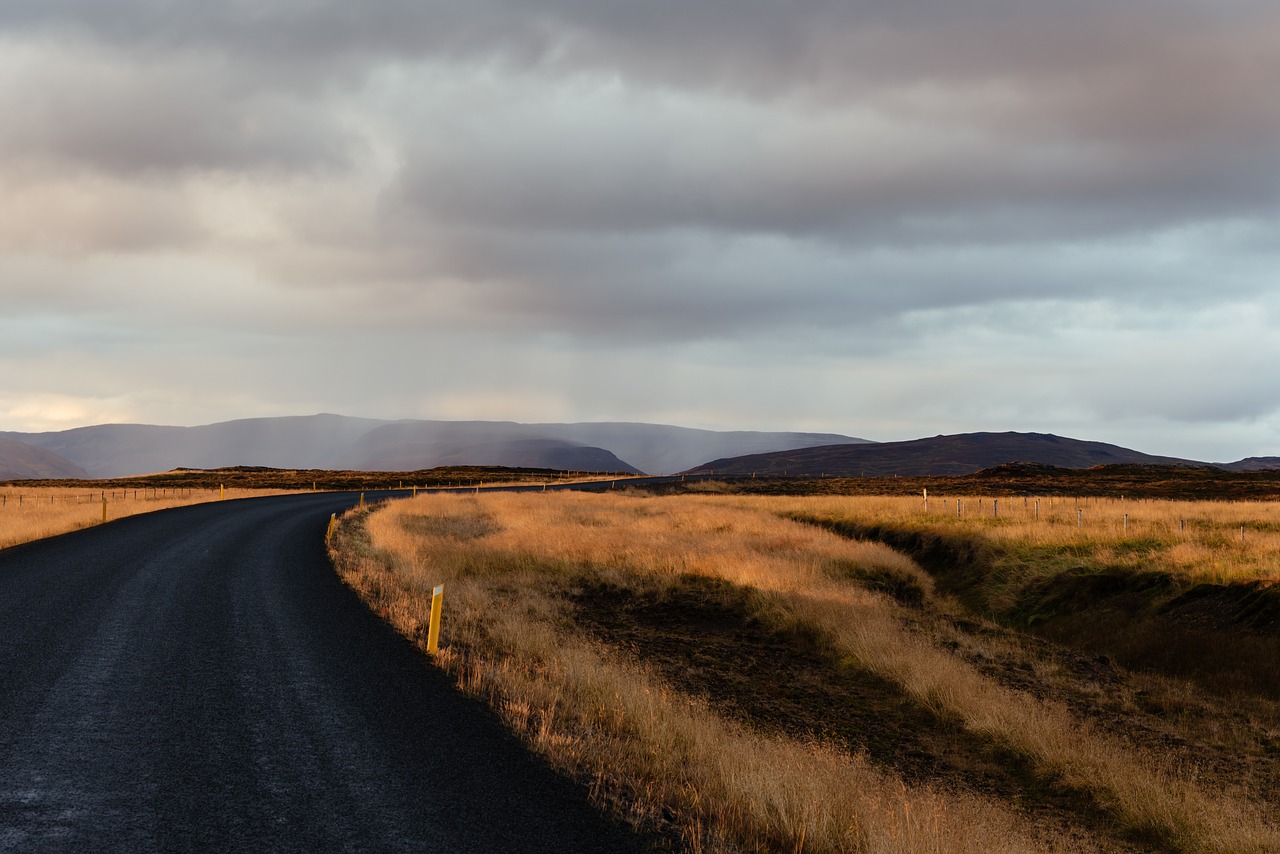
[(1213, 541), (622, 635), (32, 513)]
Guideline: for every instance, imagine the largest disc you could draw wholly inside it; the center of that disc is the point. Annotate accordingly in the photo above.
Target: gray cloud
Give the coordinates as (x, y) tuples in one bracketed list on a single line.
[(81, 107), (886, 218)]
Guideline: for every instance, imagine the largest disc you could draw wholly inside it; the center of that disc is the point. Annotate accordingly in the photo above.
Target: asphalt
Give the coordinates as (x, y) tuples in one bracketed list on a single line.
[(198, 679)]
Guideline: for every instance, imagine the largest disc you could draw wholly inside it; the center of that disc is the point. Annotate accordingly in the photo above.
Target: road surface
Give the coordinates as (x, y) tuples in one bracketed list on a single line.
[(199, 679)]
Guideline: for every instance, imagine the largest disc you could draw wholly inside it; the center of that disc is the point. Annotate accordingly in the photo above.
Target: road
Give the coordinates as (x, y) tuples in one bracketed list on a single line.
[(199, 679)]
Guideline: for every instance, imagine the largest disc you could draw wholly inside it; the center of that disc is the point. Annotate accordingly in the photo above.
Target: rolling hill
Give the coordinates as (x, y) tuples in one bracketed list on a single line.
[(21, 461), (959, 454), (339, 442), (1252, 464)]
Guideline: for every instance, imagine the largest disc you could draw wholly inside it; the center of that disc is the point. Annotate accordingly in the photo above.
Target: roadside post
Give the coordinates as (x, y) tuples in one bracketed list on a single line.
[(433, 630), (333, 523), (104, 508)]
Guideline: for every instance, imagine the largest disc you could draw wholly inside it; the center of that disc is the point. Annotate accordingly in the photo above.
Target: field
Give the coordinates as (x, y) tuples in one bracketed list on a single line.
[(33, 512), (31, 509), (261, 477), (777, 673)]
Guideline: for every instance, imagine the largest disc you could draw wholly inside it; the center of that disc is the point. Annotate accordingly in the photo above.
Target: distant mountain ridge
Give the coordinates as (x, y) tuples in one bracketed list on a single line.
[(1252, 464), (22, 461), (328, 441), (958, 454)]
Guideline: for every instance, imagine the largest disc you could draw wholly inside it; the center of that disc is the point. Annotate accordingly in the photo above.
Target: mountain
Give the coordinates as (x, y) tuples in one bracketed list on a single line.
[(1252, 464), (20, 461), (408, 445), (113, 450), (336, 442), (652, 448), (661, 449), (960, 454)]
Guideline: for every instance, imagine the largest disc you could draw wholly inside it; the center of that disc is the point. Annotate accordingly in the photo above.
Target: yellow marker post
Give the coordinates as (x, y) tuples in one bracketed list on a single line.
[(333, 523), (104, 508), (222, 492), (362, 499), (433, 631), (415, 492)]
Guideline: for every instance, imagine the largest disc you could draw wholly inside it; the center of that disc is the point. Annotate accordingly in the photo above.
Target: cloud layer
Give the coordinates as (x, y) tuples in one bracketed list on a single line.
[(883, 218)]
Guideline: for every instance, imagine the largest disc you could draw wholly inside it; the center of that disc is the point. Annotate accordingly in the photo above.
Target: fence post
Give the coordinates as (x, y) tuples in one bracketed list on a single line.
[(433, 630)]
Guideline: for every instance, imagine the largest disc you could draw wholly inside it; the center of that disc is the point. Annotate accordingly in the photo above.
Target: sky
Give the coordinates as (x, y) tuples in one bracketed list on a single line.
[(884, 218)]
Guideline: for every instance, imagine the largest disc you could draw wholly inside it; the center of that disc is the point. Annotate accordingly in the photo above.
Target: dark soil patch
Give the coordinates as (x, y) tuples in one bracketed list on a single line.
[(704, 638), (961, 566), (1225, 637)]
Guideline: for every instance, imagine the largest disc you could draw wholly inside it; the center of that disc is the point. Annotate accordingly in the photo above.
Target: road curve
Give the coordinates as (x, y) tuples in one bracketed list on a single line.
[(199, 679)]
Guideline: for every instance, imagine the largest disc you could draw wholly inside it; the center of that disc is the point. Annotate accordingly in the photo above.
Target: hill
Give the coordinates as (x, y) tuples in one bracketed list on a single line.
[(339, 442), (959, 454), (21, 461), (662, 449), (1252, 464)]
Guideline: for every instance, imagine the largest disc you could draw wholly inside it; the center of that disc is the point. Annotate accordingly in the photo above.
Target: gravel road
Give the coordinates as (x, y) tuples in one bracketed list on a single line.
[(198, 679)]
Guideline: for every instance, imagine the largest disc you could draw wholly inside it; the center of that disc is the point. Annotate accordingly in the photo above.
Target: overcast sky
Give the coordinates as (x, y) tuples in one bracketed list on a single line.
[(885, 218)]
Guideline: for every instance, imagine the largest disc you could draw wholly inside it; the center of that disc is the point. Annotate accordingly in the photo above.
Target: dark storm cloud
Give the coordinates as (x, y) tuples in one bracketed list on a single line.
[(1024, 117), (955, 206), (115, 113)]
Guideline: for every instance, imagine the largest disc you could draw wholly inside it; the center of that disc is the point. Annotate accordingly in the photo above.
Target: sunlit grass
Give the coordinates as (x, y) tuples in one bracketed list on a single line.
[(32, 513), (510, 561), (1211, 541)]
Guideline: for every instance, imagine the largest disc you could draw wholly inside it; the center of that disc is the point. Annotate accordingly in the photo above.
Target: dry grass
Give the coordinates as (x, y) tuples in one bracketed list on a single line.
[(1201, 541), (505, 561), (32, 513), (511, 561)]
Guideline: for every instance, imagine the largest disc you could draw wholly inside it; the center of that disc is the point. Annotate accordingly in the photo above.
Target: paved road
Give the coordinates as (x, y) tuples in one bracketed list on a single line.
[(198, 679)]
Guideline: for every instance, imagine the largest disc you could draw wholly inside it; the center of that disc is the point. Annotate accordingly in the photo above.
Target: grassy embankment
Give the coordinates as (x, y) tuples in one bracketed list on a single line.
[(1186, 588), (698, 660)]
